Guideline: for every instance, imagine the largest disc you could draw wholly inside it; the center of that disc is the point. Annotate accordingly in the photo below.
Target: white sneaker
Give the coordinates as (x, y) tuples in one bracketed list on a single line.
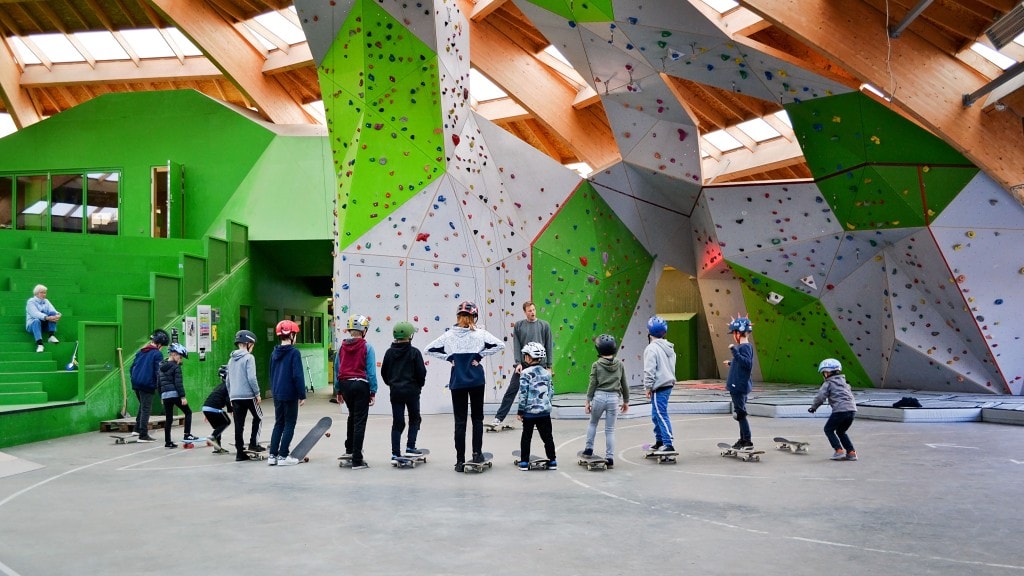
[(134, 433), (496, 422), (272, 461), (288, 461), (53, 339), (39, 347)]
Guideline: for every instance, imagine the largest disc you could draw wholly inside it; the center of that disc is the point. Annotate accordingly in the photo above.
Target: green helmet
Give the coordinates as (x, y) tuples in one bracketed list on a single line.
[(403, 330)]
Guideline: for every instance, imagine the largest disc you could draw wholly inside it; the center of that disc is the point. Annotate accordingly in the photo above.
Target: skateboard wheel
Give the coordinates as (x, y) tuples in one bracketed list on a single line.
[(328, 434), (306, 459)]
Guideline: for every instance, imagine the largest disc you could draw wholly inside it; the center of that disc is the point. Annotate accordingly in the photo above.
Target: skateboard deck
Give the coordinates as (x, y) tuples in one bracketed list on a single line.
[(791, 445), (254, 455), (592, 462), (124, 438), (319, 430), (190, 444), (499, 427), (478, 467), (745, 454), (410, 460), (536, 462), (662, 457)]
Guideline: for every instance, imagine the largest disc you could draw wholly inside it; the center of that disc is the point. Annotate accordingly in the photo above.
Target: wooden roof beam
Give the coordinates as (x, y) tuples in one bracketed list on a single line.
[(234, 56), (931, 83), (542, 92), (119, 71), (482, 8), (742, 163), (501, 110), (16, 97)]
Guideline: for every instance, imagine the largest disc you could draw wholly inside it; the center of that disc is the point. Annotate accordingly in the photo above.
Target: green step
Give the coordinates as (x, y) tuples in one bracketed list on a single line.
[(11, 387), (23, 398), (41, 365)]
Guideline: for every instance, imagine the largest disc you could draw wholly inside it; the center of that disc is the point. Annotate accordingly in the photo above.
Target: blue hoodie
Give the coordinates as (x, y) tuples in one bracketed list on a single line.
[(286, 379)]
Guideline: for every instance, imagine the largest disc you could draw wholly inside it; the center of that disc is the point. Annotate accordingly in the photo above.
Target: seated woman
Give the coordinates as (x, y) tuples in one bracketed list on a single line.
[(40, 314)]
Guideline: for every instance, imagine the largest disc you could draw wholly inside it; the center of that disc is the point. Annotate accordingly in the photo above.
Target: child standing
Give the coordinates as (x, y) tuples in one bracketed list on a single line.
[(405, 373), (844, 408), (288, 387), (659, 378), (607, 393), (145, 379), (738, 383), (465, 345), (244, 391), (535, 392), (172, 393), (216, 408), (356, 384)]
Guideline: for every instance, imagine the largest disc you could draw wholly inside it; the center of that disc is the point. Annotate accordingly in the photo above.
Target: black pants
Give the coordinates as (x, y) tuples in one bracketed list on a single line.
[(835, 430), (399, 403), (464, 401), (543, 424), (241, 408), (510, 395), (169, 404), (145, 398), (357, 400), (219, 421)]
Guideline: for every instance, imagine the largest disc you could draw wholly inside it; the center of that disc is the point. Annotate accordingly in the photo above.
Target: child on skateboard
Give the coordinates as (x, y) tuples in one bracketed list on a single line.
[(738, 382), (356, 384), (837, 391), (288, 387), (216, 408), (465, 345), (607, 394), (405, 374), (659, 378), (535, 391), (245, 393), (172, 392), (145, 378)]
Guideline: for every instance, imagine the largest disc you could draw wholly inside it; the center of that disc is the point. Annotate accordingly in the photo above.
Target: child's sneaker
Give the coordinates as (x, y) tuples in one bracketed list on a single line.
[(524, 465), (170, 445), (851, 455), (478, 458), (272, 460), (460, 467), (739, 444), (839, 455), (656, 446), (665, 449), (412, 451), (134, 433), (147, 438), (241, 457), (553, 465), (289, 461), (256, 448), (190, 437), (215, 442), (360, 466), (588, 452), (609, 463), (496, 422)]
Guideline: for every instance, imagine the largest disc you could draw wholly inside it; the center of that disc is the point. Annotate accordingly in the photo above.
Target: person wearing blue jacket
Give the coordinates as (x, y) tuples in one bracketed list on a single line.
[(535, 391), (355, 384), (40, 314), (288, 387), (659, 379), (145, 377), (464, 346), (738, 382)]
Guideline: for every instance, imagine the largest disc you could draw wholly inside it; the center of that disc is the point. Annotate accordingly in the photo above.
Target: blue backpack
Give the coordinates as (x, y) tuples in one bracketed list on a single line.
[(142, 373)]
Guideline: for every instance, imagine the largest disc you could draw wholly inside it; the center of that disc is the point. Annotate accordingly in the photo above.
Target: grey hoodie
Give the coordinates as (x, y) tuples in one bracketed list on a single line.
[(242, 384), (837, 392), (608, 375), (659, 365)]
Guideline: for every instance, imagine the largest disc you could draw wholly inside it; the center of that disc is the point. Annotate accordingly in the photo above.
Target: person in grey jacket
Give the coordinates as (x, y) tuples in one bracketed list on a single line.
[(607, 393), (659, 379), (245, 393), (39, 315), (837, 391)]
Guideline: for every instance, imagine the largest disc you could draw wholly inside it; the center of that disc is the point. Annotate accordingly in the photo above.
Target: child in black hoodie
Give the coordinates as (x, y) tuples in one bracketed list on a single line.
[(172, 392), (404, 372)]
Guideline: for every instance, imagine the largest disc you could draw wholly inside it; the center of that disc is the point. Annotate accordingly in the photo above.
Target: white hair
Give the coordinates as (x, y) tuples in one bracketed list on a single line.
[(39, 288)]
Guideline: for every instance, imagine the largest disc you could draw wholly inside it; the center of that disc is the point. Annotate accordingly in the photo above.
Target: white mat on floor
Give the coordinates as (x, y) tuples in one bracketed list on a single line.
[(11, 465)]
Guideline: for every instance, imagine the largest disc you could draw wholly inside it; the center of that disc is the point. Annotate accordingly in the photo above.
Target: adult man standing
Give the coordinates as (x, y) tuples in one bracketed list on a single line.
[(529, 330)]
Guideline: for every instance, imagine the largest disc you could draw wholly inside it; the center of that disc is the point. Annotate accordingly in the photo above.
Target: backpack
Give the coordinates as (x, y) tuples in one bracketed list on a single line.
[(141, 372)]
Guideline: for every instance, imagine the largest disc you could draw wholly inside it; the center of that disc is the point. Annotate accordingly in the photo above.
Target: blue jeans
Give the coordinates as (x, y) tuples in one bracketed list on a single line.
[(739, 405), (35, 326), (835, 430), (659, 415), (607, 404), (286, 412), (399, 402)]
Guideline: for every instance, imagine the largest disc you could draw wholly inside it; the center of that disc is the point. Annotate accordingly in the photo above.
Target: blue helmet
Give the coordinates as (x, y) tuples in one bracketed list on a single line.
[(742, 325), (179, 350), (657, 327), (830, 365)]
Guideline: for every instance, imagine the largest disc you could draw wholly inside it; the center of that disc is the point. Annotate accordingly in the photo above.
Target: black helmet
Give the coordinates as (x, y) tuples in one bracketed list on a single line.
[(160, 337), (245, 337), (605, 344), (222, 372)]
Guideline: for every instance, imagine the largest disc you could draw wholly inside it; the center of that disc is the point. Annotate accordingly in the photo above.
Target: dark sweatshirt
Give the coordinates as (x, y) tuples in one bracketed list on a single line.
[(402, 368)]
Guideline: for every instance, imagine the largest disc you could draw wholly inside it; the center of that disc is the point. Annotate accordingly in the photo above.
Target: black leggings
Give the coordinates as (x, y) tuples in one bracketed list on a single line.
[(465, 401), (169, 404)]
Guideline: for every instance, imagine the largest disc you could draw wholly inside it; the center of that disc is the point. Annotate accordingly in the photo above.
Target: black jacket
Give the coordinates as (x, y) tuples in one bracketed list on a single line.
[(402, 368), (169, 377)]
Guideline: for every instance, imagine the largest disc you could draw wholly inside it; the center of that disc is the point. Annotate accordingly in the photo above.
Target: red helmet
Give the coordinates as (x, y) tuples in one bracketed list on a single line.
[(468, 308), (286, 327)]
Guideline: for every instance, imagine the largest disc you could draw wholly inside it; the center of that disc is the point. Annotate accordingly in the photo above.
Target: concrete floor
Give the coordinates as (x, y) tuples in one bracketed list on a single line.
[(923, 499)]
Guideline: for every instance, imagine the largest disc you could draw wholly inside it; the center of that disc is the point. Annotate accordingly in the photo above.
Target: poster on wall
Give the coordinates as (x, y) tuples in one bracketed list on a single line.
[(191, 331), (204, 323)]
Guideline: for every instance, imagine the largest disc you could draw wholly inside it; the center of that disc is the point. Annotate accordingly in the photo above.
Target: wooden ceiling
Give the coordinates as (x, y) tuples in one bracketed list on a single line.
[(236, 68)]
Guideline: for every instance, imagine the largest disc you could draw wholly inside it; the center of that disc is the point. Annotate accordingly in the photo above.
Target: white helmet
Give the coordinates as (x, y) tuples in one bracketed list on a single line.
[(534, 350), (830, 365)]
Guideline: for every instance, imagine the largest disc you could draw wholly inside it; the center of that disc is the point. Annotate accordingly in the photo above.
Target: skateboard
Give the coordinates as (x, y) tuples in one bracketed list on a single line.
[(410, 460), (190, 444), (124, 438), (499, 427), (592, 462), (536, 462), (662, 457), (254, 455), (471, 466), (745, 454), (791, 445), (320, 429)]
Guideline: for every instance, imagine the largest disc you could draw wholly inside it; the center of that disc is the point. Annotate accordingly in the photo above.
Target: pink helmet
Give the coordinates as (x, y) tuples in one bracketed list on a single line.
[(285, 327)]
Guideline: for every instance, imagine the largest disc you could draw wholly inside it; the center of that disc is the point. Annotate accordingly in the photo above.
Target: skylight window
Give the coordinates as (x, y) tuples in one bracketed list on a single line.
[(721, 6), (282, 27), (722, 140), (57, 48), (148, 43), (482, 88), (102, 45), (7, 125), (758, 130), (781, 115), (558, 55), (186, 45), (25, 56), (992, 56), (267, 44)]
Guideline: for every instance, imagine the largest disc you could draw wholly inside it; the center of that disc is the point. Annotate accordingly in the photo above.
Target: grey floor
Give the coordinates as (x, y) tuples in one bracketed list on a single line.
[(923, 499)]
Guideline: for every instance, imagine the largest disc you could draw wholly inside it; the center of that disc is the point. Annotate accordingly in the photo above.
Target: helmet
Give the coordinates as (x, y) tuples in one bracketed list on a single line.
[(179, 349), (534, 350), (222, 372), (358, 322), (160, 337), (657, 327), (286, 327), (606, 345), (403, 330), (468, 308), (831, 365), (245, 337), (741, 324)]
